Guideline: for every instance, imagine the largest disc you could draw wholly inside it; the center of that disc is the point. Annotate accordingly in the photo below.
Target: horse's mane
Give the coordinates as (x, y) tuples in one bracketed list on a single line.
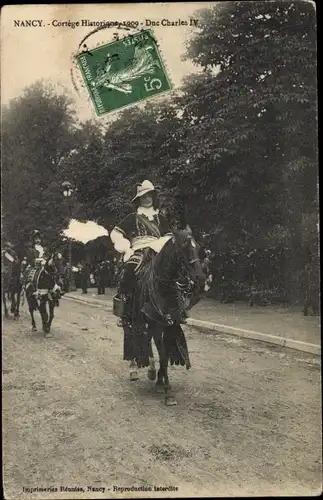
[(163, 259)]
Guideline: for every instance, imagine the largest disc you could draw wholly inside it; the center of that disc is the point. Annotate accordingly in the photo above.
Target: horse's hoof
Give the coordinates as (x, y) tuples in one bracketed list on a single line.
[(34, 329), (134, 376), (151, 373), (160, 388), (170, 401), (48, 335)]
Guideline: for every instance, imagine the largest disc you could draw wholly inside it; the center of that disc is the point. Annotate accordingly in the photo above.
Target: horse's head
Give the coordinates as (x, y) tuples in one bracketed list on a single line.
[(52, 265), (188, 256), (54, 262)]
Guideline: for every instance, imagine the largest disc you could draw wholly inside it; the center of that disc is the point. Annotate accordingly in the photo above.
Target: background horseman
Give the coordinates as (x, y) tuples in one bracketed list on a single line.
[(35, 255), (41, 278), (11, 279)]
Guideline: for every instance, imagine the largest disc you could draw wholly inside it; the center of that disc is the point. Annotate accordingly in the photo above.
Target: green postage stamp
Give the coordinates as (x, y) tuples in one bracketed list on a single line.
[(124, 72)]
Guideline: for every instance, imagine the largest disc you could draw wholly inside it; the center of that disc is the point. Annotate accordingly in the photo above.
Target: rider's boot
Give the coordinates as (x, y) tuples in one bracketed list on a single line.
[(120, 301), (126, 316), (125, 293), (184, 317), (126, 312)]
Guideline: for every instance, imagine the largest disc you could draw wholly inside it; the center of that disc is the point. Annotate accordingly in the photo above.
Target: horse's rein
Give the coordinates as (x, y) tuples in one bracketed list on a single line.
[(179, 247), (186, 262)]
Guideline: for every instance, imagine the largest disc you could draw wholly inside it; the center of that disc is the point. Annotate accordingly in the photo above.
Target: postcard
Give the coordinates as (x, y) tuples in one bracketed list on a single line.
[(160, 250)]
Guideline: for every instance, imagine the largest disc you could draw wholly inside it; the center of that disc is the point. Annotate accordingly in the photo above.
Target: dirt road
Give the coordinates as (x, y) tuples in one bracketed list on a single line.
[(248, 419)]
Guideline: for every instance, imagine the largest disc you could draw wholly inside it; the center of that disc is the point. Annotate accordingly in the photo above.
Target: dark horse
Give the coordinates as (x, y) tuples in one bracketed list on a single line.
[(11, 286), (167, 286), (41, 289)]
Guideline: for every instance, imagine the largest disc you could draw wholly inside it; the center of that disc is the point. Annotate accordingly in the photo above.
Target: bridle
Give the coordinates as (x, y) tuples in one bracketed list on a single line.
[(188, 285), (50, 264), (190, 240)]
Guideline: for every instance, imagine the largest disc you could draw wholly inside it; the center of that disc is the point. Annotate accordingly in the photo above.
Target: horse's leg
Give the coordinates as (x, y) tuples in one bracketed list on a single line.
[(128, 317), (162, 379), (51, 305), (4, 300), (157, 336), (13, 302), (169, 397), (151, 368), (43, 313), (133, 370), (17, 303), (32, 308)]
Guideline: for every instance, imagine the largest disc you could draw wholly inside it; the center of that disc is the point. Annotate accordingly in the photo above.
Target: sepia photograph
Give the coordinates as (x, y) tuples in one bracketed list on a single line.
[(160, 269)]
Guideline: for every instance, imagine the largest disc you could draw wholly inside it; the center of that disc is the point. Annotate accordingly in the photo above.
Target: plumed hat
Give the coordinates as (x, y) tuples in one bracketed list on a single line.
[(35, 235), (144, 188)]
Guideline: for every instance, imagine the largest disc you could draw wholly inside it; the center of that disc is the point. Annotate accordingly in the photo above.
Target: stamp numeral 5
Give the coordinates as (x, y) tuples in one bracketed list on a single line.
[(154, 84)]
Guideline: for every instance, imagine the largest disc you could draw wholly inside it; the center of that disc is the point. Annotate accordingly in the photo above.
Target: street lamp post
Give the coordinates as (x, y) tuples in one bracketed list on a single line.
[(68, 192)]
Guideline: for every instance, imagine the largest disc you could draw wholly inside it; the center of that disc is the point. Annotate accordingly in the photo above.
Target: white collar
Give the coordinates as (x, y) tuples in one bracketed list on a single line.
[(148, 212), (39, 249)]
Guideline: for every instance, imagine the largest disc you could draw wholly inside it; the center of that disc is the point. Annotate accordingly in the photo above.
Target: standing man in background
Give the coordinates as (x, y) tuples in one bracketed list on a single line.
[(100, 272), (84, 276)]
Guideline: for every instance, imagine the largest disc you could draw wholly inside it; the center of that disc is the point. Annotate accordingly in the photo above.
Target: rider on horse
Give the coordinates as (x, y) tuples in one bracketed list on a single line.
[(37, 257), (10, 260), (11, 278), (138, 236), (8, 253), (36, 250)]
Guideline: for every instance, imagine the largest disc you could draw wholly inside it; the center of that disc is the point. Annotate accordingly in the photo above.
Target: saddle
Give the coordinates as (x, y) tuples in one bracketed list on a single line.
[(29, 272), (137, 261), (31, 275)]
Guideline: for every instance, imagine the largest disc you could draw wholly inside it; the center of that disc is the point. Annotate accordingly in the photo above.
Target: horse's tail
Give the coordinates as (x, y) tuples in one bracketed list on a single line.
[(176, 346)]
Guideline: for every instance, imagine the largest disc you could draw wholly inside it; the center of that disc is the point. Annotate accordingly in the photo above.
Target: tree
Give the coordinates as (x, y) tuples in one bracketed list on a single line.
[(251, 129), (37, 132), (82, 167), (108, 164)]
